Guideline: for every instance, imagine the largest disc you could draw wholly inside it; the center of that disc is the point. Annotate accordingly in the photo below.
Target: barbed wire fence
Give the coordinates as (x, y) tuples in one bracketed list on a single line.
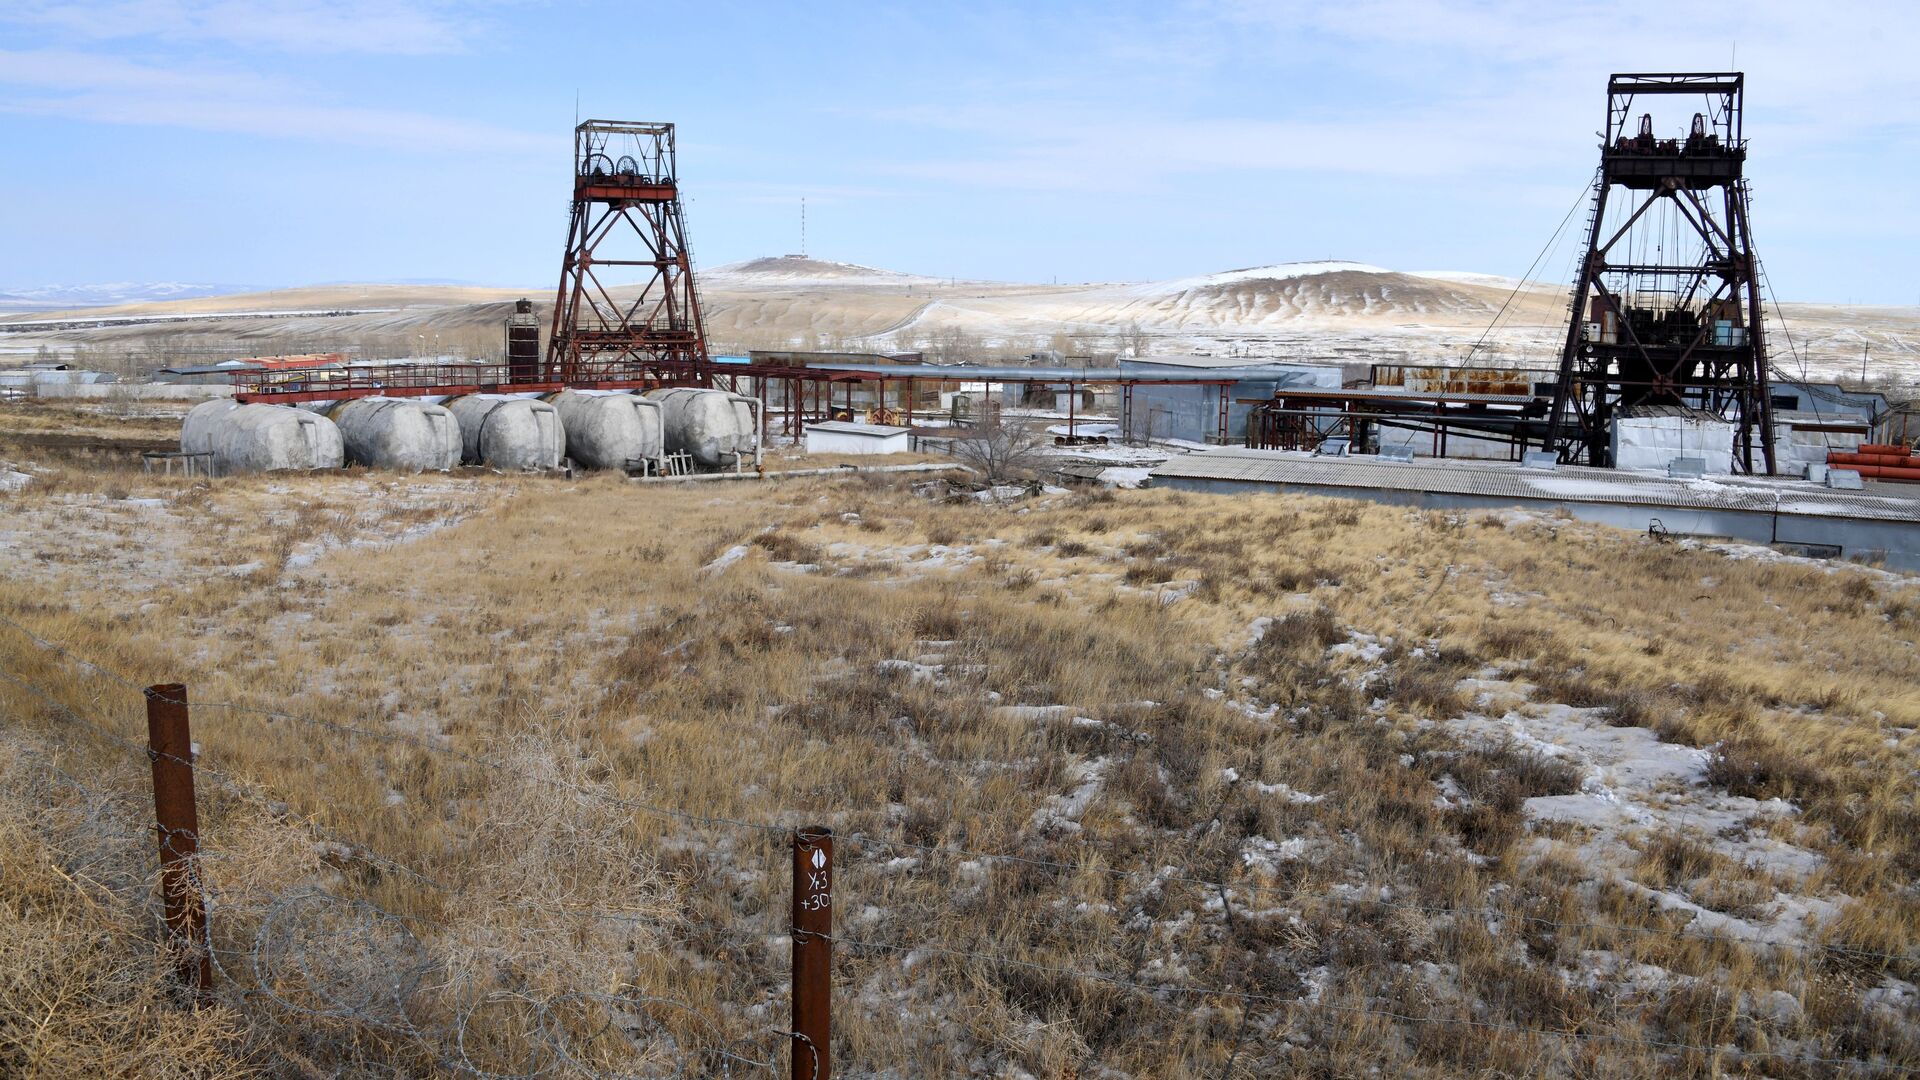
[(362, 969), (370, 977)]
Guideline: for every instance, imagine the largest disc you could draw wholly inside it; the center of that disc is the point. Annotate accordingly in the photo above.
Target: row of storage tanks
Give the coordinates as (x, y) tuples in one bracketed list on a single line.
[(597, 429)]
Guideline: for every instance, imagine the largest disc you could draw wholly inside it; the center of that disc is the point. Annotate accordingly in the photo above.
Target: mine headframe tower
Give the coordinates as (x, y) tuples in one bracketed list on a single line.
[(1666, 300), (627, 222)]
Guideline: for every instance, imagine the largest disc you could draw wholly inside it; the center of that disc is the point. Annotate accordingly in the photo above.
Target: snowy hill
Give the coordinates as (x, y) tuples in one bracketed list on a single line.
[(783, 270), (104, 294)]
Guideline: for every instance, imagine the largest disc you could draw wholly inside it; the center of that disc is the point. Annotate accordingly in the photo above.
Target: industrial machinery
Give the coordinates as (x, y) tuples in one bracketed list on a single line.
[(627, 222), (523, 343), (1666, 299)]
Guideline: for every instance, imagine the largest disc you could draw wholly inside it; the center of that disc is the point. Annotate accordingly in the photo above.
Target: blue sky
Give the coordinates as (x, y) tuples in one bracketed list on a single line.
[(281, 142)]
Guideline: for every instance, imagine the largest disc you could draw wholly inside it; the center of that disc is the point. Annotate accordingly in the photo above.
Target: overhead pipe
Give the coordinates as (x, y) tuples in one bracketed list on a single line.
[(1022, 373)]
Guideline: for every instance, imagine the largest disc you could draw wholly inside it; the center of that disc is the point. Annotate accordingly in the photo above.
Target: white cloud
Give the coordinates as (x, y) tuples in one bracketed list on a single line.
[(1843, 65), (107, 89), (1409, 88), (403, 27)]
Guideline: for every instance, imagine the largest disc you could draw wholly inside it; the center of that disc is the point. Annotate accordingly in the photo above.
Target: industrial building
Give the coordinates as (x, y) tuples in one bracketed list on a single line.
[(1191, 413), (1879, 525)]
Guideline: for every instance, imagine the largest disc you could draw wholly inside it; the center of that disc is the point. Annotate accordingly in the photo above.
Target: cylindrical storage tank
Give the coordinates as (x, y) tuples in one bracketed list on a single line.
[(512, 433), (608, 429), (196, 431), (396, 433), (261, 438), (704, 424)]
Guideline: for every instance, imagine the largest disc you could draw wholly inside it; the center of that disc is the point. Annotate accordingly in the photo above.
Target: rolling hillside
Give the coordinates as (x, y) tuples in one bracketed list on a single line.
[(1305, 310)]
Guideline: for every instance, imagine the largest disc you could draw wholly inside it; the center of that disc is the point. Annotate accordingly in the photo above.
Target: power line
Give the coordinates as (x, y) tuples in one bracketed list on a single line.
[(1528, 276)]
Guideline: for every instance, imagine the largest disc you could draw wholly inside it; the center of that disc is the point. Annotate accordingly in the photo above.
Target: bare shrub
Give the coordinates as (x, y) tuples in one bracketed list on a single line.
[(1001, 450), (1760, 768), (1301, 631), (83, 991), (1292, 579), (1428, 683), (782, 546), (1520, 641)]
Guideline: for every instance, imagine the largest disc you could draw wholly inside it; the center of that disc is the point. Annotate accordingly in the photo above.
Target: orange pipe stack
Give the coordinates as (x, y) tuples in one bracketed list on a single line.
[(1879, 461)]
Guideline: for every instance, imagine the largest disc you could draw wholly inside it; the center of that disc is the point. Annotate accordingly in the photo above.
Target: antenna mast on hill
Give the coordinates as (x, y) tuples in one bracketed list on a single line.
[(803, 226)]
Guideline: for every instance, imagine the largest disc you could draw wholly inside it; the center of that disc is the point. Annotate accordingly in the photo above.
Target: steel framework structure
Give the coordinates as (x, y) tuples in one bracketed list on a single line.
[(796, 394), (1304, 419), (1666, 299), (626, 215)]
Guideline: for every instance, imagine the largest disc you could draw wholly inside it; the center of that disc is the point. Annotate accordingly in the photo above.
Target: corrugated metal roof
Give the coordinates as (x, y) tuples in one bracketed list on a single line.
[(1806, 418), (1396, 393), (1565, 484), (1222, 362)]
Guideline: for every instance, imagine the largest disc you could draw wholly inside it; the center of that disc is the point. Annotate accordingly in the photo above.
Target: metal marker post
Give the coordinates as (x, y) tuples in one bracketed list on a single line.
[(812, 953), (170, 748)]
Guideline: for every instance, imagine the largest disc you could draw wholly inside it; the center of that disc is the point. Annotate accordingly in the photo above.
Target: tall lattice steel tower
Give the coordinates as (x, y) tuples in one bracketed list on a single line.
[(626, 217), (1666, 301)]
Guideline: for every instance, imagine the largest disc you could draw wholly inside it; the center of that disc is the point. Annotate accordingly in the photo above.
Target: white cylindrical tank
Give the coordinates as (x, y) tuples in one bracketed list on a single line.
[(609, 429), (196, 431), (260, 438), (711, 426), (512, 433), (397, 433)]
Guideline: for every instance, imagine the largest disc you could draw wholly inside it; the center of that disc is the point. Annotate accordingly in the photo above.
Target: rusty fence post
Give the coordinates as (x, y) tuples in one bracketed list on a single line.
[(812, 953), (170, 748)]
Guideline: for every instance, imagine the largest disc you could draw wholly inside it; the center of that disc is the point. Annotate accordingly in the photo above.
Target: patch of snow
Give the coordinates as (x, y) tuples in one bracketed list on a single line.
[(1176, 591), (1468, 277), (1366, 647), (1032, 712), (1262, 855), (1064, 811), (1232, 776), (1451, 793), (1790, 919), (915, 671), (1287, 793), (1001, 493), (1632, 784), (727, 558)]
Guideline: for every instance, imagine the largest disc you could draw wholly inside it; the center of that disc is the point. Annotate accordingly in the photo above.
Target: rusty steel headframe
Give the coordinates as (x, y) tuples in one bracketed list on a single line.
[(626, 216), (1666, 299)]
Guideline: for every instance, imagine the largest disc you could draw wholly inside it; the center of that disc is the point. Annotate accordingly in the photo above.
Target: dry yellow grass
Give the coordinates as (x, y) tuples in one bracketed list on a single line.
[(864, 665)]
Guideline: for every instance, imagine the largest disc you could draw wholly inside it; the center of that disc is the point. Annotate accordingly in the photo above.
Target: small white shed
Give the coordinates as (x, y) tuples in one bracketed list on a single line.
[(1652, 436), (841, 437)]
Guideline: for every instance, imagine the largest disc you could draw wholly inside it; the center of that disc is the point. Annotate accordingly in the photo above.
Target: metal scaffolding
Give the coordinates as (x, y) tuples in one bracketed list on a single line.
[(1666, 300), (626, 216)]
